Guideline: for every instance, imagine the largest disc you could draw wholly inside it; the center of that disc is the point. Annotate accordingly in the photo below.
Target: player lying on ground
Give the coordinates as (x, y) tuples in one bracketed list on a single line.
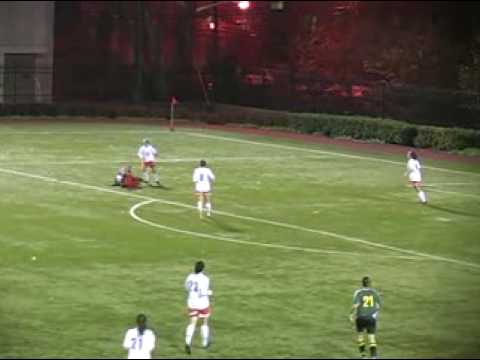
[(125, 178)]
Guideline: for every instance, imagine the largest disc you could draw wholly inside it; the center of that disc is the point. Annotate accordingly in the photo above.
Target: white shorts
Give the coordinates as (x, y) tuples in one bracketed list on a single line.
[(415, 177), (200, 188)]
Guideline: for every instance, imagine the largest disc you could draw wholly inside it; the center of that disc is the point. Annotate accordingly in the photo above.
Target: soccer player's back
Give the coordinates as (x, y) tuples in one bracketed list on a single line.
[(203, 178), (139, 341), (365, 310), (197, 285)]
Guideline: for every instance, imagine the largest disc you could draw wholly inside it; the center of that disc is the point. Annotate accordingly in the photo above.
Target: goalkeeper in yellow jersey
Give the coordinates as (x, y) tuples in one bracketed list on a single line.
[(365, 310)]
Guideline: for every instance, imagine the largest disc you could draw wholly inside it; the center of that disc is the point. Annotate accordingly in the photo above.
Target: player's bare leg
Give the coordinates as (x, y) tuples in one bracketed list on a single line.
[(421, 194), (200, 204), (208, 204), (189, 334), (144, 170), (156, 177), (205, 331)]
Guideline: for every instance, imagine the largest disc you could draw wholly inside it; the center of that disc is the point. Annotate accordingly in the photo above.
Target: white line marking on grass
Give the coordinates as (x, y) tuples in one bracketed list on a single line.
[(275, 223), (134, 215), (453, 193), (289, 147), (451, 183), (279, 146), (443, 219), (164, 160)]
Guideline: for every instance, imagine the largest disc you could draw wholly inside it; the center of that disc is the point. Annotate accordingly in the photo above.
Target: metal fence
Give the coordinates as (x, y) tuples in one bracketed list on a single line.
[(21, 85), (265, 88)]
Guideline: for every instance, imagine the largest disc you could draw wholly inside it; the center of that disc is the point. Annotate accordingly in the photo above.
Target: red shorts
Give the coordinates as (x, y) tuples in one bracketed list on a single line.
[(201, 313), (150, 164), (416, 183)]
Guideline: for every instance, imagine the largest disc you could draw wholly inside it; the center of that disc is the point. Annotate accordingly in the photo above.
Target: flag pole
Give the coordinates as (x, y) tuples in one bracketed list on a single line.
[(172, 113)]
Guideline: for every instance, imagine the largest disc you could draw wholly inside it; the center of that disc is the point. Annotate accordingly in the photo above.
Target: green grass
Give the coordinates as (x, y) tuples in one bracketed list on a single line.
[(97, 267)]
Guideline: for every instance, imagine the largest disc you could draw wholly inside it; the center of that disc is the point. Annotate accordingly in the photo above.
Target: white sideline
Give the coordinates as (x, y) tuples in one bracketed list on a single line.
[(164, 160), (275, 223), (432, 189), (135, 207), (334, 153), (225, 138)]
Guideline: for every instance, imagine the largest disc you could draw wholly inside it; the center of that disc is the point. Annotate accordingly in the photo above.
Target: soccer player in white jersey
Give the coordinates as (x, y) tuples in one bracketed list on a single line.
[(203, 178), (139, 341), (197, 285), (148, 157), (414, 173)]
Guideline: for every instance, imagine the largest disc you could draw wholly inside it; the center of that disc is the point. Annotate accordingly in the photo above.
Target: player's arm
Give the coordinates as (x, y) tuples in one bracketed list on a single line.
[(140, 156), (140, 153), (353, 312), (150, 345), (356, 304), (378, 300), (126, 341), (209, 289), (187, 285)]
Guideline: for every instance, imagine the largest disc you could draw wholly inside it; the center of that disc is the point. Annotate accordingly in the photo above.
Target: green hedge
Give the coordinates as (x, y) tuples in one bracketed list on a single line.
[(446, 138), (355, 127)]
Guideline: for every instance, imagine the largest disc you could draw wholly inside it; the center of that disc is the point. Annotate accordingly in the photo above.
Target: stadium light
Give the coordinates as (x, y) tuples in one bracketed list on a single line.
[(243, 5)]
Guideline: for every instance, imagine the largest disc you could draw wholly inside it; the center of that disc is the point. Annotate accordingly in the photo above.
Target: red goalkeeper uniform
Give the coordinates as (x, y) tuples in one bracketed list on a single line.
[(130, 181)]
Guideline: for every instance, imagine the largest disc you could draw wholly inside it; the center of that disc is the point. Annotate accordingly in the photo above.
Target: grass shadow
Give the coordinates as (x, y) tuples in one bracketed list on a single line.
[(223, 225), (452, 211)]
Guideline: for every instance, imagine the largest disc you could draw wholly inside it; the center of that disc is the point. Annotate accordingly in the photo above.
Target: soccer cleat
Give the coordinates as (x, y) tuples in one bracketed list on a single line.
[(188, 349)]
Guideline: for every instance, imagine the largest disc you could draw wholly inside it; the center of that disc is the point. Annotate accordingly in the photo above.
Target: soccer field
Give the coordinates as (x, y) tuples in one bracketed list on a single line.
[(294, 229)]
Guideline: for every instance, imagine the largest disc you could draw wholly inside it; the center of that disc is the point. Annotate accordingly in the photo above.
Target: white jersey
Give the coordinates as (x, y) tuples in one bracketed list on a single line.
[(198, 287), (139, 346), (413, 170), (203, 178), (147, 153)]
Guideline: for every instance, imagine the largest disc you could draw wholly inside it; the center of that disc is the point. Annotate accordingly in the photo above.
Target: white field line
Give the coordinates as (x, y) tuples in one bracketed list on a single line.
[(164, 160), (242, 141), (258, 220), (133, 214), (316, 151), (453, 193), (451, 184)]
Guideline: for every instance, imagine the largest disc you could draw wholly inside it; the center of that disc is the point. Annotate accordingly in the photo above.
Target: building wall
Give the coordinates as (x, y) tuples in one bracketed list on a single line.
[(26, 28)]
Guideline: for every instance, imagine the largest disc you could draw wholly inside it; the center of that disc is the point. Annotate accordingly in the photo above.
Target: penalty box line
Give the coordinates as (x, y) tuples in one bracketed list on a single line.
[(258, 220)]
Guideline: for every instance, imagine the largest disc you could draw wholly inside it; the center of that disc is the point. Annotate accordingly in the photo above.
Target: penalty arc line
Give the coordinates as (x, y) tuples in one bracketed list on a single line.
[(134, 215), (258, 220)]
